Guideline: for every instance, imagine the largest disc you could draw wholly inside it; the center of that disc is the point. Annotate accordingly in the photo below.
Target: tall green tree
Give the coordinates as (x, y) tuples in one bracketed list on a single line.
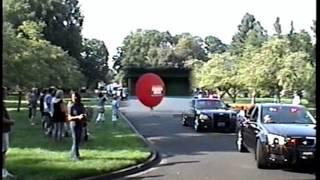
[(214, 45), (143, 48), (250, 31), (190, 47), (63, 20), (277, 26), (25, 50), (221, 72), (94, 61)]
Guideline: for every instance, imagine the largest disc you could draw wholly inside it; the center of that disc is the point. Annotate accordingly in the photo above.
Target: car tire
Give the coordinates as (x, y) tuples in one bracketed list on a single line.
[(184, 121), (196, 125), (261, 156), (240, 145)]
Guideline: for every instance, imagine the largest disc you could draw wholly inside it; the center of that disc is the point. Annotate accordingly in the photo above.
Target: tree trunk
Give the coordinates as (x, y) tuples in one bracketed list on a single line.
[(253, 97), (221, 95), (278, 97), (233, 96), (19, 100)]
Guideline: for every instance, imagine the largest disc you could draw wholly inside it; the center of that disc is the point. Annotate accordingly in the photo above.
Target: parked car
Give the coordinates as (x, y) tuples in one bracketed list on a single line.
[(278, 134), (209, 113)]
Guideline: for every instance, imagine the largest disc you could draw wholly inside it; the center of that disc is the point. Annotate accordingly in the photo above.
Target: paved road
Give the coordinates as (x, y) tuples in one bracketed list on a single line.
[(187, 155)]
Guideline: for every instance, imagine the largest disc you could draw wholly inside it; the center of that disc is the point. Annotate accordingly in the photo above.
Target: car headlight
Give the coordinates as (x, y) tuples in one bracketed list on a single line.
[(275, 139), (203, 117)]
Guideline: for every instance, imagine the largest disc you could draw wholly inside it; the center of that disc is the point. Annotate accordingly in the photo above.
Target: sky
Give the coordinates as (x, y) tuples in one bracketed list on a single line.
[(112, 20)]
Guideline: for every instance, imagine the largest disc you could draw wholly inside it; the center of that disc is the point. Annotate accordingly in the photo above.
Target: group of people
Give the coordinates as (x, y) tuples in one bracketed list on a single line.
[(54, 111), (204, 93), (60, 119), (56, 116), (115, 104)]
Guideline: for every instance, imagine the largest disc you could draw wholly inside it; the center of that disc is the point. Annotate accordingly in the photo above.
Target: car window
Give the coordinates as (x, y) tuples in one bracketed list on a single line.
[(209, 104), (249, 111), (286, 114), (254, 114)]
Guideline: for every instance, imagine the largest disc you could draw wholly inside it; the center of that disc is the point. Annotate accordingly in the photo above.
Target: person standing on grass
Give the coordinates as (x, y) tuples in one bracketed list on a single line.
[(115, 109), (101, 102), (32, 99), (47, 109), (7, 122), (59, 115), (76, 117), (41, 99)]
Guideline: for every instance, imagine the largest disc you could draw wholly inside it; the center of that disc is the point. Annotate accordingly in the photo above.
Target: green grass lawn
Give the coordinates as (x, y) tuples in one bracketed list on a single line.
[(34, 156)]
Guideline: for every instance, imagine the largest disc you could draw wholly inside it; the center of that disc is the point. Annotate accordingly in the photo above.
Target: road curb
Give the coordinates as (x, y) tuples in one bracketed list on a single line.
[(151, 161)]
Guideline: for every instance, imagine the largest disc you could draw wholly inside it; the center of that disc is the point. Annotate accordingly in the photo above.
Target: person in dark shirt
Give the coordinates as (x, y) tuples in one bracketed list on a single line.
[(7, 122), (76, 116), (58, 116), (41, 99)]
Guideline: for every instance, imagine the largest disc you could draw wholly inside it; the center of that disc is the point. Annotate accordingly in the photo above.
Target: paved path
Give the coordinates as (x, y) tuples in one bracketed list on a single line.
[(187, 155)]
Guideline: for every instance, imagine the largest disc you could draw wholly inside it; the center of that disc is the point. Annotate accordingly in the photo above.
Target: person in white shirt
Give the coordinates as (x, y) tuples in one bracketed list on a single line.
[(296, 99), (115, 110)]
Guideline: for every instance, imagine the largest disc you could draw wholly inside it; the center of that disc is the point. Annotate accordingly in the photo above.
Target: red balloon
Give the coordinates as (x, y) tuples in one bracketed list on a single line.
[(150, 89)]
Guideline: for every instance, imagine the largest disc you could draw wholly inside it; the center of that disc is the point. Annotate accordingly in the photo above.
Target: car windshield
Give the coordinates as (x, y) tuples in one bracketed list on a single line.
[(209, 104), (286, 115)]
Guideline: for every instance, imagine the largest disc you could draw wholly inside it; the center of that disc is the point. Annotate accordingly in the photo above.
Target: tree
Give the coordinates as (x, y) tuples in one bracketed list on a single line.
[(63, 20), (26, 51), (214, 45), (313, 28), (277, 26), (221, 72), (302, 42), (189, 47), (296, 72), (136, 47), (275, 66), (94, 61), (250, 31)]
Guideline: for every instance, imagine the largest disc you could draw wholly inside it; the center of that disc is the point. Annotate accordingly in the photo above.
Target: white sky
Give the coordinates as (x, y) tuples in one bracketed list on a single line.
[(112, 20)]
